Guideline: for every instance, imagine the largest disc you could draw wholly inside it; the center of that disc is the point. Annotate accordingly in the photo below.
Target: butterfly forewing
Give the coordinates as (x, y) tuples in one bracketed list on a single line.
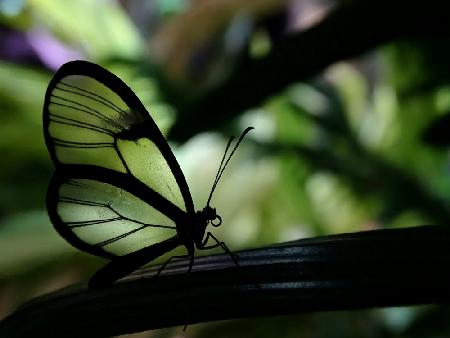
[(92, 118), (117, 187)]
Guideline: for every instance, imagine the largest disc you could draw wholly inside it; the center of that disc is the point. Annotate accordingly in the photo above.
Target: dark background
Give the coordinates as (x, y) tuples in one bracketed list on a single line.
[(350, 101)]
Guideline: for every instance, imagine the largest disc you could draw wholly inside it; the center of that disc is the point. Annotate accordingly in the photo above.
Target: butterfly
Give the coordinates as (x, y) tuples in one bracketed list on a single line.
[(118, 191)]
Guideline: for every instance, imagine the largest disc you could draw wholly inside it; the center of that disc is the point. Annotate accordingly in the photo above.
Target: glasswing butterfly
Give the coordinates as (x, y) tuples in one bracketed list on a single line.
[(118, 192)]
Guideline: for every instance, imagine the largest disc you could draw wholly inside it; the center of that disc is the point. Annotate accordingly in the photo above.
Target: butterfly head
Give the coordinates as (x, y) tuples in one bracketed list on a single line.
[(211, 216), (203, 218)]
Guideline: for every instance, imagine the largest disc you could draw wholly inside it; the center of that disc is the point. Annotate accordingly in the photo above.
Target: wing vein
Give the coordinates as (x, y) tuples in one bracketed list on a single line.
[(114, 239), (95, 97), (80, 124), (109, 206), (88, 110), (82, 145), (78, 224)]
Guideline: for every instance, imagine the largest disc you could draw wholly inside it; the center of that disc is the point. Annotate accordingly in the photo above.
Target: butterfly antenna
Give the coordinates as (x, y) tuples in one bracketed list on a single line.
[(222, 168), (219, 170), (223, 158)]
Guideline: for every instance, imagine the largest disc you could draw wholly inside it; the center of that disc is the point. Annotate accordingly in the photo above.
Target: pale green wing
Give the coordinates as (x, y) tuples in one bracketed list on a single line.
[(92, 118), (103, 219)]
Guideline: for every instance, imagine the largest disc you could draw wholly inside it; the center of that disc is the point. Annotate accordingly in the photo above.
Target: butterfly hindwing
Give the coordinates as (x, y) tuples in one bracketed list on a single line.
[(95, 213), (117, 187)]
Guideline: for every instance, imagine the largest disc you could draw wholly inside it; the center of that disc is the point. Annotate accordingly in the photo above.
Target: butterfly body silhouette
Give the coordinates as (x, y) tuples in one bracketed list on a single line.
[(118, 191)]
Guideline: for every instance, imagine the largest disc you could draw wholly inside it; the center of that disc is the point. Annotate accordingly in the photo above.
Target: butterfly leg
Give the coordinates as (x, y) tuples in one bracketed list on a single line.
[(224, 247), (233, 256), (168, 261), (191, 264)]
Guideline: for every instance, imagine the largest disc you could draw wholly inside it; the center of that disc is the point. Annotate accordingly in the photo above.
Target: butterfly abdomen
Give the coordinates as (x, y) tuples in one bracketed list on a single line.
[(124, 265)]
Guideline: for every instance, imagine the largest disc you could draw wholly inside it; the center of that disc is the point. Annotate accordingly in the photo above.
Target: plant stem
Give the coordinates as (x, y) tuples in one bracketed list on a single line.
[(379, 268)]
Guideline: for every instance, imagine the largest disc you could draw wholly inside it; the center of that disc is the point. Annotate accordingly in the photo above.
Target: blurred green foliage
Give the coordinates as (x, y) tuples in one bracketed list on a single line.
[(344, 151)]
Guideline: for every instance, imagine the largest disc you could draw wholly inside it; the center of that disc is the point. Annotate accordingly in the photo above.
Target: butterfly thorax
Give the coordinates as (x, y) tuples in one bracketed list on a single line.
[(207, 216)]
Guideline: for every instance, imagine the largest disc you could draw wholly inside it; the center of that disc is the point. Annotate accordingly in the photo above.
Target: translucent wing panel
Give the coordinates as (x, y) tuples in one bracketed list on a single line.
[(106, 218), (92, 118), (146, 163), (85, 118)]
